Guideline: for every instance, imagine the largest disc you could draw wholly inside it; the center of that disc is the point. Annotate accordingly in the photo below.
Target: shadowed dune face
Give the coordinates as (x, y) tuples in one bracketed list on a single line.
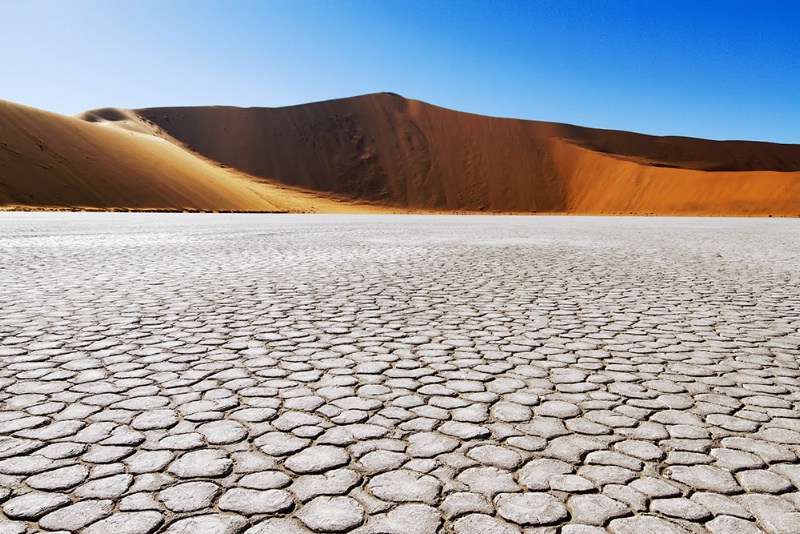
[(406, 153), (380, 148)]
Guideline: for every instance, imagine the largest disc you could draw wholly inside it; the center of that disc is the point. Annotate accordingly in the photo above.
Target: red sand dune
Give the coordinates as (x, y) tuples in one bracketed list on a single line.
[(406, 153), (385, 150)]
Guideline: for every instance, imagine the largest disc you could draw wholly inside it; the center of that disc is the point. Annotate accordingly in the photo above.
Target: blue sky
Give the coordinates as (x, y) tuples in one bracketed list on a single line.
[(721, 70)]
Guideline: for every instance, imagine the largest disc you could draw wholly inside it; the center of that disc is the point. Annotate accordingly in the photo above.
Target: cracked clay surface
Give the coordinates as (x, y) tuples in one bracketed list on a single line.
[(282, 374)]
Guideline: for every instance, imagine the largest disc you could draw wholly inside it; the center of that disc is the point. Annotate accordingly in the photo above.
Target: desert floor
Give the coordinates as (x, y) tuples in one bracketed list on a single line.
[(410, 374)]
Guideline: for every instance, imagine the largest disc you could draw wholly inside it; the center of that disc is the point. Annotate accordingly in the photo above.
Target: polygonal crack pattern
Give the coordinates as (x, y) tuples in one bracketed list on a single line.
[(420, 374)]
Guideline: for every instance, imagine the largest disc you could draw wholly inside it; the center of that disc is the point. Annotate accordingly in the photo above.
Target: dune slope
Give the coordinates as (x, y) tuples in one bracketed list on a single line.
[(387, 149), (122, 162)]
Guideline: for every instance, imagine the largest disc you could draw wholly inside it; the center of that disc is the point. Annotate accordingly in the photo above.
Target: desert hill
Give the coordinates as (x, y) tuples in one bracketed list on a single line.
[(400, 152), (383, 150), (122, 162)]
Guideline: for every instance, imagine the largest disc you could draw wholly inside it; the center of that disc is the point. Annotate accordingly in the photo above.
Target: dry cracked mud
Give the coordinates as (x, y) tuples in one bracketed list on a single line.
[(416, 374)]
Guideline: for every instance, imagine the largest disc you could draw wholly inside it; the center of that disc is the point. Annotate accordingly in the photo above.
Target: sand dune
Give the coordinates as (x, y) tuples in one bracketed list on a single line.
[(382, 152), (406, 153), (122, 162)]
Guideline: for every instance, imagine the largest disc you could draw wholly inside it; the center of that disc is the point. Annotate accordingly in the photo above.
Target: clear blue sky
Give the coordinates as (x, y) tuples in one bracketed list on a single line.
[(723, 70)]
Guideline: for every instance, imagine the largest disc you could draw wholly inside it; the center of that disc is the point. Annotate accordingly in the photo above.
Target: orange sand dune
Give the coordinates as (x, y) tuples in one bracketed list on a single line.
[(379, 152), (51, 161), (384, 148)]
